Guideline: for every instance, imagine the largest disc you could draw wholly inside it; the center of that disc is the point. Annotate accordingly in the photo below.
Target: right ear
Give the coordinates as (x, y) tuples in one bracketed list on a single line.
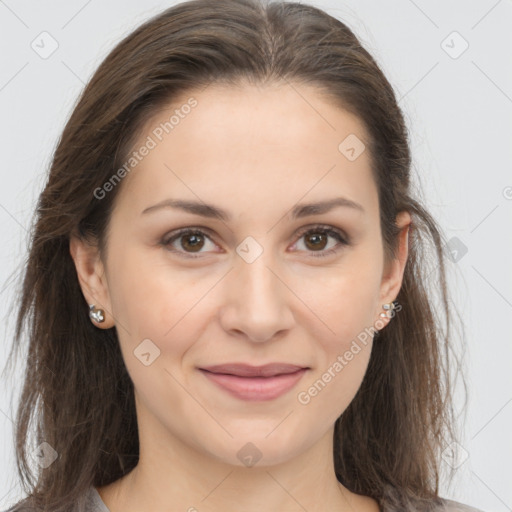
[(91, 276)]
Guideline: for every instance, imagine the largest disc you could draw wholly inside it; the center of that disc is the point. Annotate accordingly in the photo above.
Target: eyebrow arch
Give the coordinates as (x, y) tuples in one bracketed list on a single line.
[(298, 211)]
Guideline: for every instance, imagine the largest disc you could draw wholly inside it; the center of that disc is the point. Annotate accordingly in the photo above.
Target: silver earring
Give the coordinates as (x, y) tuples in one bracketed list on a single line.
[(388, 310), (98, 315)]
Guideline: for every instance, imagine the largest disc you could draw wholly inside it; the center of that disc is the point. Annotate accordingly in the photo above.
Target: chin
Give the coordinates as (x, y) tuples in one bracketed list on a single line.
[(256, 449)]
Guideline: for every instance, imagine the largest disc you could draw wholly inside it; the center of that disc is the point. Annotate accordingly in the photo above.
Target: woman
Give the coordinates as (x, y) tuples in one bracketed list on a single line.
[(226, 294)]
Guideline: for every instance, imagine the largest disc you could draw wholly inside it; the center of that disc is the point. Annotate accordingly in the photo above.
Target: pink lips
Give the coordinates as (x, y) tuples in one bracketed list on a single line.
[(255, 383)]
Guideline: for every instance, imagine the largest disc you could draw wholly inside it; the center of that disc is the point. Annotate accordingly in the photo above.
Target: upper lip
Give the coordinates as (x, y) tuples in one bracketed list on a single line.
[(247, 370)]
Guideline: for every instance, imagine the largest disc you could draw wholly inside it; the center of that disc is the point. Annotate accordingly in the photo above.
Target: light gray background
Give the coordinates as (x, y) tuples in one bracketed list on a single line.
[(459, 113)]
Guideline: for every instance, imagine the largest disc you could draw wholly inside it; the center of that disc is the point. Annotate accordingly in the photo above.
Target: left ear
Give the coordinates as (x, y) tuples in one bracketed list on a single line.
[(394, 270)]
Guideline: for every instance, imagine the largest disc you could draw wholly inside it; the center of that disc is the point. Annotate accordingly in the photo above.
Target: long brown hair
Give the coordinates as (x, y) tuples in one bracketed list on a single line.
[(77, 392)]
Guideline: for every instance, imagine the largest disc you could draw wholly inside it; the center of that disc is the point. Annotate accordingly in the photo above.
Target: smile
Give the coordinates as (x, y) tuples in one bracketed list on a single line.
[(255, 388)]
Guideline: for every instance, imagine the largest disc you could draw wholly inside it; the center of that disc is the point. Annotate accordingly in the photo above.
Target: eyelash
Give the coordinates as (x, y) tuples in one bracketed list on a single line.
[(319, 228)]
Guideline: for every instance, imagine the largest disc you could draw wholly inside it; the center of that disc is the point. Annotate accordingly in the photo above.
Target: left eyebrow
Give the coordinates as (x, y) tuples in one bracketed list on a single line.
[(303, 210), (298, 211)]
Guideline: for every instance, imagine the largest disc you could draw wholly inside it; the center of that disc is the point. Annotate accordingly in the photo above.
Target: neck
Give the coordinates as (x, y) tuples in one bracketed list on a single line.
[(179, 477)]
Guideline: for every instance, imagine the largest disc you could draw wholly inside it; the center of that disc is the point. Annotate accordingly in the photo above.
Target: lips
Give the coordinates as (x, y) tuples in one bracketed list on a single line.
[(255, 383), (245, 370)]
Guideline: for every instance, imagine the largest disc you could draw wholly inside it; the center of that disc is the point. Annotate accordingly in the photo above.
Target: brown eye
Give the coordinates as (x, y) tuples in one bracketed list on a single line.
[(186, 242), (193, 242), (316, 240)]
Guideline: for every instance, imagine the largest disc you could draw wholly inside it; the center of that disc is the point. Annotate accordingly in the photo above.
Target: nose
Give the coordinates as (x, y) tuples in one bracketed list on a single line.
[(256, 301)]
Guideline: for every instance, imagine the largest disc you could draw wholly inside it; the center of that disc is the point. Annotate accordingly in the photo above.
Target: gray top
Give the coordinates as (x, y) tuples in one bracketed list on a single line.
[(95, 504)]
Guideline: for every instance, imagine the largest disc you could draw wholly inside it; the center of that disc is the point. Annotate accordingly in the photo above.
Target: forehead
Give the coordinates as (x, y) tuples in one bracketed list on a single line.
[(249, 145)]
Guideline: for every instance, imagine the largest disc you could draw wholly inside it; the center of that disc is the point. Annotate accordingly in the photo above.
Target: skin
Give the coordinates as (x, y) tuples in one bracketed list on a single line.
[(255, 152)]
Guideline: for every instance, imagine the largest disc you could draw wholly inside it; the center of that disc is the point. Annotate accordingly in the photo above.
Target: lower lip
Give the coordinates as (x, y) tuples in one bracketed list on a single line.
[(256, 388)]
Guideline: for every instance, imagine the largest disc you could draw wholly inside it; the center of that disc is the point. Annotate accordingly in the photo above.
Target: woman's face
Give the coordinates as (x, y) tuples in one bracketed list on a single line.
[(270, 280)]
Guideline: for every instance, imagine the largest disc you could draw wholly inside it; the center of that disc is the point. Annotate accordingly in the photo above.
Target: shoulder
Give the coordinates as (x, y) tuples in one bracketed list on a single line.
[(22, 506), (94, 503), (455, 506), (90, 501), (439, 505)]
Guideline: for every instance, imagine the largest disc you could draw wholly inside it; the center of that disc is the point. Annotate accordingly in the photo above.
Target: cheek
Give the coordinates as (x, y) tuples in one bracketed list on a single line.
[(345, 299), (331, 390), (148, 298), (347, 306), (346, 303), (153, 301)]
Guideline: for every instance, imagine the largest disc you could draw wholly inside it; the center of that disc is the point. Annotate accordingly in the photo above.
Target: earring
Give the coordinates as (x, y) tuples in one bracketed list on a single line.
[(98, 315), (388, 310)]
